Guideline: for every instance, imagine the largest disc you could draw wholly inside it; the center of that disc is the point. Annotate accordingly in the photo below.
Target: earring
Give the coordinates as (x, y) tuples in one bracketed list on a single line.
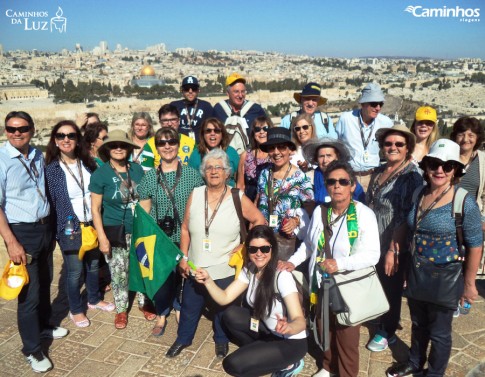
[(57, 145)]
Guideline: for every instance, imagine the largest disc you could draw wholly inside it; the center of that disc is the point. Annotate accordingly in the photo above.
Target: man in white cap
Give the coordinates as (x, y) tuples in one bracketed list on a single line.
[(237, 113), (193, 111), (310, 99), (358, 127)]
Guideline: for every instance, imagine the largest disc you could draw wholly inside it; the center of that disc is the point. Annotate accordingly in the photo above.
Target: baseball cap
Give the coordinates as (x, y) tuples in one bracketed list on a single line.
[(426, 113), (190, 80), (13, 279), (233, 77)]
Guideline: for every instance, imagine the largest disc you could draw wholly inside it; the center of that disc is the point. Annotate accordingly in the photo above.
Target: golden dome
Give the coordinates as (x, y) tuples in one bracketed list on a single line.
[(147, 71)]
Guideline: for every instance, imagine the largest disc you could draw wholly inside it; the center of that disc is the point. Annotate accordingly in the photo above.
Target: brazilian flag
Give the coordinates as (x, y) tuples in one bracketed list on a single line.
[(153, 255)]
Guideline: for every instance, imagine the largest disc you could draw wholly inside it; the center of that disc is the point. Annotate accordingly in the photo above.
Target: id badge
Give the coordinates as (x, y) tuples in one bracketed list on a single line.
[(366, 156), (273, 221), (206, 245), (132, 207), (254, 324)]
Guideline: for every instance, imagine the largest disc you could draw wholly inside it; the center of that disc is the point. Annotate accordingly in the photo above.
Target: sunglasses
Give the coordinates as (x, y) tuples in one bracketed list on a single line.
[(254, 249), (341, 182), (305, 127), (211, 130), (117, 146), (22, 129), (259, 129), (398, 144), (375, 104), (189, 88), (434, 164), (171, 142), (61, 136), (280, 147)]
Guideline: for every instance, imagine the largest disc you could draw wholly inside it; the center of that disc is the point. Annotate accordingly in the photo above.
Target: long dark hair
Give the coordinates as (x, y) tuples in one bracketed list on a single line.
[(263, 302), (203, 149), (80, 151)]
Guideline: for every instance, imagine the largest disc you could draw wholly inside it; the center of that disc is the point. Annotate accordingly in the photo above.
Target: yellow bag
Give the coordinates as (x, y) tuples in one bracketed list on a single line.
[(237, 260), (89, 238), (14, 277)]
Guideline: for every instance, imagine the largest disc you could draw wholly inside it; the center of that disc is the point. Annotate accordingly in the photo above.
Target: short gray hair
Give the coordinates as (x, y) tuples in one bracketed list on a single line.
[(216, 154)]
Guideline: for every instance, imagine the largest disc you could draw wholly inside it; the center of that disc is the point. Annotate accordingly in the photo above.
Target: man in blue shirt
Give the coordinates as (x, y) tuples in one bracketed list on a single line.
[(237, 113), (193, 111), (27, 232), (357, 128), (310, 99)]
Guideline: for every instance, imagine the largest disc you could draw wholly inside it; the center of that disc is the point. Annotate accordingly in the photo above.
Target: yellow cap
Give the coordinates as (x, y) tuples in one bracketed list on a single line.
[(233, 77), (12, 281), (426, 113)]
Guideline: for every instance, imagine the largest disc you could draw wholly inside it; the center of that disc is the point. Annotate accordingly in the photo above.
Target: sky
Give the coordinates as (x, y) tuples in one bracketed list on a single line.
[(340, 28)]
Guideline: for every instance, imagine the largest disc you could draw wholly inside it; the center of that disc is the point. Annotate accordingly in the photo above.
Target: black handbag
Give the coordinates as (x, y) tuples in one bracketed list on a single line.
[(440, 284), (116, 235), (336, 303), (71, 242)]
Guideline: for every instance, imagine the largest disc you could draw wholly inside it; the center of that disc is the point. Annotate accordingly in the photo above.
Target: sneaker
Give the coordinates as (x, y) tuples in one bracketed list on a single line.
[(456, 313), (402, 370), (38, 362), (380, 343), (292, 370), (55, 332)]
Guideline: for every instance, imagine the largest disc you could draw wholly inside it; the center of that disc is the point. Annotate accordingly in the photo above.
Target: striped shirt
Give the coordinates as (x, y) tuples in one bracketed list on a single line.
[(22, 194)]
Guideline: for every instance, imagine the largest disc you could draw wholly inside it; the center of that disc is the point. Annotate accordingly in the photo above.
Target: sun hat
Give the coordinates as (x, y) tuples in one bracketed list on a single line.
[(278, 135), (114, 136), (372, 93), (382, 133), (312, 146), (311, 89), (444, 150), (233, 78), (190, 81), (14, 277), (426, 113)]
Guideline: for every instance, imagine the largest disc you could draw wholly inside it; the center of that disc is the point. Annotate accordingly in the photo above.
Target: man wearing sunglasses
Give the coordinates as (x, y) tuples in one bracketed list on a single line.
[(169, 117), (310, 99), (26, 229), (357, 128), (193, 111)]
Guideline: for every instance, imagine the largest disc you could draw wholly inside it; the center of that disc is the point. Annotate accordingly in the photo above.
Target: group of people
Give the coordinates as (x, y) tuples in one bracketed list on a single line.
[(315, 197)]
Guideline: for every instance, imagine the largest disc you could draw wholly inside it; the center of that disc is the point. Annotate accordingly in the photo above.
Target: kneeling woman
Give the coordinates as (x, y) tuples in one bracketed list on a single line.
[(268, 342)]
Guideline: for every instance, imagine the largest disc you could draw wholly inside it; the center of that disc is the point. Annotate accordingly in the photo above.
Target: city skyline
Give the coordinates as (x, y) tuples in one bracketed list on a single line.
[(350, 28)]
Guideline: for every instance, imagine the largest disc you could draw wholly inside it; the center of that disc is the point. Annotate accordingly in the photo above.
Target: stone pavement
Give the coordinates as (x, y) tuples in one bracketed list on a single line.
[(101, 350)]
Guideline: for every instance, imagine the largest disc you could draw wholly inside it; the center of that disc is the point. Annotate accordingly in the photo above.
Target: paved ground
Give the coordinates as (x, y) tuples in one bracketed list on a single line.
[(101, 350)]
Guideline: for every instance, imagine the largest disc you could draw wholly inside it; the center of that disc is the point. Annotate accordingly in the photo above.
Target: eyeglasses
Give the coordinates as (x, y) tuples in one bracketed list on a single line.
[(341, 182), (190, 88), (434, 164), (216, 168), (61, 136), (102, 138), (375, 104), (264, 249), (171, 142), (211, 130), (169, 120), (21, 129), (259, 129), (305, 127), (238, 92), (117, 146), (398, 144), (280, 147)]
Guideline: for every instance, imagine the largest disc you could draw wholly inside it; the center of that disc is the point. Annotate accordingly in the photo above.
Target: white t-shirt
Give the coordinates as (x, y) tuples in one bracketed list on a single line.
[(286, 285), (75, 193)]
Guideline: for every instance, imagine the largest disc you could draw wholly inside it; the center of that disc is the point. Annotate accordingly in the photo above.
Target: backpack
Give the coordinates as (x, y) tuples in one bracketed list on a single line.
[(301, 286), (323, 115), (237, 126)]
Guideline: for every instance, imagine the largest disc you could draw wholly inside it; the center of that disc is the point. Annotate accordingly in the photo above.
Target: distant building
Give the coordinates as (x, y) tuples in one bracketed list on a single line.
[(147, 78), (103, 45), (21, 92)]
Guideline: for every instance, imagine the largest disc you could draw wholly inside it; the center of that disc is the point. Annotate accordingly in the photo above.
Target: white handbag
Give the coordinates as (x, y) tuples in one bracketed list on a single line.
[(363, 294)]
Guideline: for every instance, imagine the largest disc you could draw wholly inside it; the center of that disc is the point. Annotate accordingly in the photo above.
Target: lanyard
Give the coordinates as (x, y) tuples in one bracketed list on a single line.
[(272, 198), (365, 143), (79, 183), (137, 155), (126, 182), (209, 222), (189, 118), (34, 175), (162, 181), (376, 188), (430, 207)]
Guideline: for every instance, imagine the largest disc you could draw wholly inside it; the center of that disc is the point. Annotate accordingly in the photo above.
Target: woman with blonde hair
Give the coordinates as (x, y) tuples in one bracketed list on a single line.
[(425, 127), (302, 131), (140, 131)]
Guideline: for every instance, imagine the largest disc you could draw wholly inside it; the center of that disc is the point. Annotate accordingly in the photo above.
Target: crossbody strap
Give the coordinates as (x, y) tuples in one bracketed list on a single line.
[(237, 204)]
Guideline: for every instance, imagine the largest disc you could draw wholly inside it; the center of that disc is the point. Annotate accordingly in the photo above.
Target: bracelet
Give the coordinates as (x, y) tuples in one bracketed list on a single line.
[(185, 258)]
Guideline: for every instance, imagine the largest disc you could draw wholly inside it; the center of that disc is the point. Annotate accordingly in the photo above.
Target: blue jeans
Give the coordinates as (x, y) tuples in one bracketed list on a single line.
[(164, 297), (75, 269), (194, 299), (430, 323), (34, 305)]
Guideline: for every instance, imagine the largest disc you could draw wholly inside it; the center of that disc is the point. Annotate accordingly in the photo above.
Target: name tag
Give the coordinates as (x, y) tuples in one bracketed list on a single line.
[(273, 221), (254, 325), (206, 245)]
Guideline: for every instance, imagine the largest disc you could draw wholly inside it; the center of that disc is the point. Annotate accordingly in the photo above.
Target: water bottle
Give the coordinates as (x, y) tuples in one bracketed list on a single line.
[(69, 227), (465, 309)]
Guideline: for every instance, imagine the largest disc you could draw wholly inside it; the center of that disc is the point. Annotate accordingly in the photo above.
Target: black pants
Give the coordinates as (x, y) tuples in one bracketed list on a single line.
[(34, 301), (259, 353)]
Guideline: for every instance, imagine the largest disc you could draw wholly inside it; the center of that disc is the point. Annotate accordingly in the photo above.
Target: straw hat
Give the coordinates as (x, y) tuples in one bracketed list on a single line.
[(116, 136), (382, 133)]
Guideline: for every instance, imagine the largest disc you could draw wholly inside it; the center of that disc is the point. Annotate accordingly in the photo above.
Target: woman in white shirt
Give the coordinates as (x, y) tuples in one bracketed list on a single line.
[(269, 343)]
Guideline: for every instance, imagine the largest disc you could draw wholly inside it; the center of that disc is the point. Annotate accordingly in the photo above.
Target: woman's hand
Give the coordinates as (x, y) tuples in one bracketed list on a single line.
[(235, 250), (289, 226), (104, 246), (282, 326), (329, 265), (184, 268), (285, 266), (202, 276), (303, 165)]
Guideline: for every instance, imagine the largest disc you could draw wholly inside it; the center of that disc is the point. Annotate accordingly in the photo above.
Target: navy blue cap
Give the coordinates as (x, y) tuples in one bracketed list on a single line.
[(190, 81)]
